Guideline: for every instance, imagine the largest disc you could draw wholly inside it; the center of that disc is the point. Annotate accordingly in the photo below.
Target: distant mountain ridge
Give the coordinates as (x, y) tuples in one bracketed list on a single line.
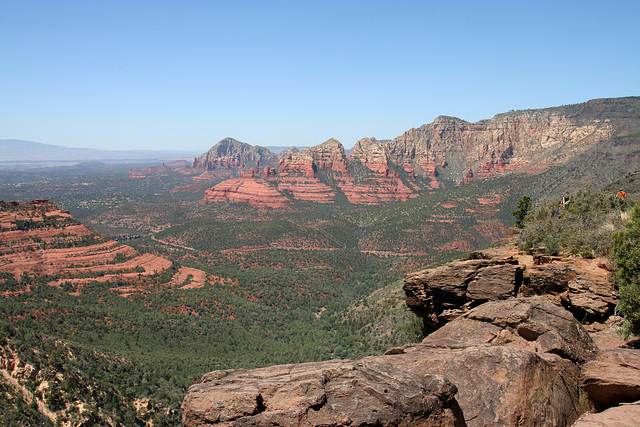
[(232, 154), (445, 153), (19, 150)]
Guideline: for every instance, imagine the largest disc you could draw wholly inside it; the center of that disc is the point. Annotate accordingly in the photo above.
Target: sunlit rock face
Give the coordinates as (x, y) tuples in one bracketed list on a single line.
[(501, 144), (232, 154), (512, 362), (256, 192), (447, 152)]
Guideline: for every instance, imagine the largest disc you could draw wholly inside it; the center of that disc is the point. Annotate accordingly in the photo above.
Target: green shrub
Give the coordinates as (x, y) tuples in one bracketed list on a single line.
[(626, 247), (524, 206), (593, 224), (581, 227)]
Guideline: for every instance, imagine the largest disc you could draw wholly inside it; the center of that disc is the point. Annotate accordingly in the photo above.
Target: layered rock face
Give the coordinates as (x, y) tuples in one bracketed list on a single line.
[(297, 171), (441, 154), (336, 393), (444, 293), (255, 191), (374, 183), (38, 238), (330, 155), (372, 155), (503, 143)]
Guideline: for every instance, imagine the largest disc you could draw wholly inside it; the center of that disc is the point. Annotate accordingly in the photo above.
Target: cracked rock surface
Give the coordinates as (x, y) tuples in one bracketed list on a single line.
[(332, 393)]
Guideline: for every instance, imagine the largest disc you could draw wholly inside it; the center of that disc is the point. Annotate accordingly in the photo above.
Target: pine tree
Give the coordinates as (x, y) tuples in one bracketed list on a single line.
[(524, 206)]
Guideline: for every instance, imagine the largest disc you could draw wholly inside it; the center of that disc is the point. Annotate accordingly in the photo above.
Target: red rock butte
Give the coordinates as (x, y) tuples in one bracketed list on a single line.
[(257, 192), (38, 238)]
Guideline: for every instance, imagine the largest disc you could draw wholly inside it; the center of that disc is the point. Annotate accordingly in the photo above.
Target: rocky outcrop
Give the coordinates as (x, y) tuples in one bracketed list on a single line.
[(445, 297), (232, 154), (374, 183), (333, 393), (372, 155), (287, 151), (444, 293), (297, 172), (468, 177), (255, 191), (329, 156), (513, 362), (297, 164), (37, 238), (529, 323)]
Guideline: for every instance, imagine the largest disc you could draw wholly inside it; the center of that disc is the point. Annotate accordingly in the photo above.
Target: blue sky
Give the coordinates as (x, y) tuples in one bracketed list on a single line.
[(185, 74)]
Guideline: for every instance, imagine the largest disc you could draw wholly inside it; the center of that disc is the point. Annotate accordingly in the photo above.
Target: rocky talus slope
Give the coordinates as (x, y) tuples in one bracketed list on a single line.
[(504, 348)]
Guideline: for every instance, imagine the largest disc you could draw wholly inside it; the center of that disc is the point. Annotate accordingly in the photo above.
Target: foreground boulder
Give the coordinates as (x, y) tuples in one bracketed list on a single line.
[(333, 393), (513, 362), (440, 295), (529, 323)]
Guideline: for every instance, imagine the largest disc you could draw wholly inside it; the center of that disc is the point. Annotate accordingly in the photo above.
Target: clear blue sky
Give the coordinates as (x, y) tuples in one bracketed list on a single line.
[(185, 74)]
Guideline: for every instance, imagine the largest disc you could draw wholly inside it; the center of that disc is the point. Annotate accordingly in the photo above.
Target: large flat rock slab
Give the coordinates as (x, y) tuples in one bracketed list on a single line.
[(503, 386), (332, 393)]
